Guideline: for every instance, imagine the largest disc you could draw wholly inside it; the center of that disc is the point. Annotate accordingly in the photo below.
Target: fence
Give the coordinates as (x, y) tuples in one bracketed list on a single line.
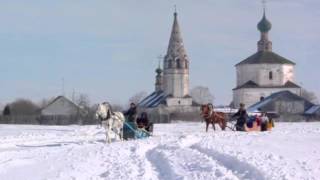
[(47, 120)]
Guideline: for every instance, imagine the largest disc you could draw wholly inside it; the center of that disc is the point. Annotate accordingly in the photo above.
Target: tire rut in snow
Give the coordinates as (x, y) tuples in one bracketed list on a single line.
[(130, 162), (178, 161), (242, 170)]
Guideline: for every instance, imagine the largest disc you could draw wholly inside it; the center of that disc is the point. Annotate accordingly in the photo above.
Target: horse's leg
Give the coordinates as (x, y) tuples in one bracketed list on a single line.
[(107, 135), (207, 126), (109, 131), (224, 124), (121, 134), (213, 126)]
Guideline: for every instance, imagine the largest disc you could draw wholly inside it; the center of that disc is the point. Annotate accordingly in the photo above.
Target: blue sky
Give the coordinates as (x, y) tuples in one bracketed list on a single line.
[(108, 49)]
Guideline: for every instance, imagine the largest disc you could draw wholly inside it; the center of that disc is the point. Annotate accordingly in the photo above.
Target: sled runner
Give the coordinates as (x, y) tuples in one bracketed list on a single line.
[(131, 131)]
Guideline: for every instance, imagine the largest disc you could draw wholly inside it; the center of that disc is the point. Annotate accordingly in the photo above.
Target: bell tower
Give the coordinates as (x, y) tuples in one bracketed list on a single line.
[(176, 64)]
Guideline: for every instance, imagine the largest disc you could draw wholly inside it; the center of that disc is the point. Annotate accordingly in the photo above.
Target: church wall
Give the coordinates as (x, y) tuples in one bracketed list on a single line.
[(259, 73), (246, 73), (250, 96), (288, 71), (176, 82), (179, 101)]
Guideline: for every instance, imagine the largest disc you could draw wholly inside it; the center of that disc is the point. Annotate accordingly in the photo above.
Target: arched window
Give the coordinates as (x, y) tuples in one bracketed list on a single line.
[(170, 64), (179, 63), (270, 75)]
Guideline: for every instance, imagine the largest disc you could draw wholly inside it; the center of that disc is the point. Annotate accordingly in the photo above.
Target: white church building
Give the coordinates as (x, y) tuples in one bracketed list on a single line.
[(264, 72), (171, 95)]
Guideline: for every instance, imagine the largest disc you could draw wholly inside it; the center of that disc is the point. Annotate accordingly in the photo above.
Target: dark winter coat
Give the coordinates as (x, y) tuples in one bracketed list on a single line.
[(143, 121), (242, 117), (131, 114)]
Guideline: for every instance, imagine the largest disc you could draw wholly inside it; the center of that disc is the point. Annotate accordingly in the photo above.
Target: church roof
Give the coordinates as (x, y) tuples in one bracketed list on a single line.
[(251, 84), (176, 47), (153, 100), (265, 57), (313, 110)]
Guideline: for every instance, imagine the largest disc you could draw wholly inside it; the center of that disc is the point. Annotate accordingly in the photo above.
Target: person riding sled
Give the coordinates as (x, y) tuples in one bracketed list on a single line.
[(241, 118), (131, 113), (143, 122)]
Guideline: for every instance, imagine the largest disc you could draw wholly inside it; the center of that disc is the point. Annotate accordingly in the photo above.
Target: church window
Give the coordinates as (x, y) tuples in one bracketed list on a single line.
[(270, 75), (170, 64), (179, 63)]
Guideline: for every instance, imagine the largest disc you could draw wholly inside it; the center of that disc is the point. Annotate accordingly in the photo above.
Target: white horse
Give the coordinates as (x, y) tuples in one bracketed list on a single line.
[(111, 121)]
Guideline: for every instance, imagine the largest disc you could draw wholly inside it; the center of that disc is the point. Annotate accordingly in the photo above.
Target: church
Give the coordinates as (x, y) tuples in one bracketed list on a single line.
[(171, 100), (264, 72)]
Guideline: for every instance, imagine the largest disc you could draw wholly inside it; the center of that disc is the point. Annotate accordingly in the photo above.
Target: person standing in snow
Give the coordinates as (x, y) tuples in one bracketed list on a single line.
[(264, 121), (241, 118), (131, 113)]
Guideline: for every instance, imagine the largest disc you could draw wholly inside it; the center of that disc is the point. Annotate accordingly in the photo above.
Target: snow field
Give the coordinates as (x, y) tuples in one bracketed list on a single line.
[(176, 151)]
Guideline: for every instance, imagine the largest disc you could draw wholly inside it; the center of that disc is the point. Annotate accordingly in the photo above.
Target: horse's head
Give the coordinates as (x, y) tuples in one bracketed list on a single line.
[(204, 108), (103, 111)]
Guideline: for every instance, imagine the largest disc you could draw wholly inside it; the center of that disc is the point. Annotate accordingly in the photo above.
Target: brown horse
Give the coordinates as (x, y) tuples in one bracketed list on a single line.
[(212, 117)]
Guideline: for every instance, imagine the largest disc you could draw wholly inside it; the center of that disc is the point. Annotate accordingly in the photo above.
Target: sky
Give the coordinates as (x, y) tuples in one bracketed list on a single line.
[(108, 49)]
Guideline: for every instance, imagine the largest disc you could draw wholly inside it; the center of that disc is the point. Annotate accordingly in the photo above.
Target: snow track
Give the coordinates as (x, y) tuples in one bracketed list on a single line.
[(176, 151)]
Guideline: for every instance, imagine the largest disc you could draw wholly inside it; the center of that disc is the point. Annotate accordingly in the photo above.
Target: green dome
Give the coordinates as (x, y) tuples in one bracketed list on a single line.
[(264, 25), (159, 70)]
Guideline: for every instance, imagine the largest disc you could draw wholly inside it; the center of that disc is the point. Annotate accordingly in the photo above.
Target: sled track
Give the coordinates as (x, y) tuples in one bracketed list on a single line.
[(184, 159), (241, 169)]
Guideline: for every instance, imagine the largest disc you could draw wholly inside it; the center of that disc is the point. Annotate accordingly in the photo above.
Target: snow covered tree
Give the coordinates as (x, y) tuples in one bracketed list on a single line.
[(23, 107), (201, 95)]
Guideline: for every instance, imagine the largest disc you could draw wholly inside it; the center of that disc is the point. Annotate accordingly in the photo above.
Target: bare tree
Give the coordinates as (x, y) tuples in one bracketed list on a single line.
[(23, 107), (83, 101), (117, 108), (232, 105), (138, 97), (6, 110), (201, 95), (310, 96)]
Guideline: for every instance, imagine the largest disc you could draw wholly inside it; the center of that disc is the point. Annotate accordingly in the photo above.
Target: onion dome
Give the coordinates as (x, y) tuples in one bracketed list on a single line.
[(158, 70), (264, 25)]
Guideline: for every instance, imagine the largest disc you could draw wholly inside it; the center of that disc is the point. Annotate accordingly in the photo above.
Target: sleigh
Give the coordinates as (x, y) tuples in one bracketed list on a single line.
[(132, 131), (252, 125)]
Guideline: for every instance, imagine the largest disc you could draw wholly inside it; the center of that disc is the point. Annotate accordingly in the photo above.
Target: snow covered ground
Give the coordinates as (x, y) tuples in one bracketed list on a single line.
[(177, 151)]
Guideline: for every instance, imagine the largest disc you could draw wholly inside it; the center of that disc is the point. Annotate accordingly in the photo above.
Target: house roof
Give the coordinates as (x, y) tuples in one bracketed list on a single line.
[(65, 99), (251, 84), (284, 95), (314, 109), (265, 57)]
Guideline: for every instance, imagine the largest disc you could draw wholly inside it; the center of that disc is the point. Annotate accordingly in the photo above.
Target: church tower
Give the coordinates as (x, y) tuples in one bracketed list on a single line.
[(159, 80), (264, 27), (176, 68), (170, 100)]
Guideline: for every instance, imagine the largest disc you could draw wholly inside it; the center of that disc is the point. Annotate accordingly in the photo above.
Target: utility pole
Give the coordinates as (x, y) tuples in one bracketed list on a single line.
[(62, 88)]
